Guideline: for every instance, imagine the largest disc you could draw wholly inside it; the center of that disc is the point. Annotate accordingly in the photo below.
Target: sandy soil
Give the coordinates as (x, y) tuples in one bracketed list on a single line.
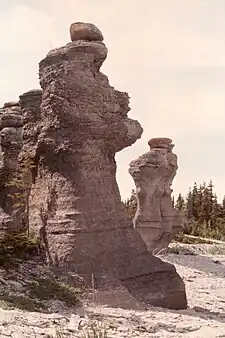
[(204, 275)]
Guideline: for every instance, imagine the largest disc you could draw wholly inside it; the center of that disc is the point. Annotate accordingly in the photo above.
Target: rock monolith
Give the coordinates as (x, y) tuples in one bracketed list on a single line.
[(11, 123), (75, 201), (156, 219)]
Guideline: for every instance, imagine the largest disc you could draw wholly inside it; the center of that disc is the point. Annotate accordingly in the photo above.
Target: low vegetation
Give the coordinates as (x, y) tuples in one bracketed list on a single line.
[(90, 329), (38, 292), (22, 302), (45, 289), (15, 246), (16, 249)]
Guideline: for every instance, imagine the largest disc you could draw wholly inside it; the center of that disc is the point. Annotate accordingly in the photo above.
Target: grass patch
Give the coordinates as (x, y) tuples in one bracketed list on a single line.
[(17, 246), (26, 303), (46, 289), (91, 329), (39, 292), (94, 329)]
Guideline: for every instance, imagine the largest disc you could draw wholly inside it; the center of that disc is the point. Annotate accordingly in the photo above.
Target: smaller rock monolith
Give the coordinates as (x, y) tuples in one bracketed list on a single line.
[(156, 219), (11, 123)]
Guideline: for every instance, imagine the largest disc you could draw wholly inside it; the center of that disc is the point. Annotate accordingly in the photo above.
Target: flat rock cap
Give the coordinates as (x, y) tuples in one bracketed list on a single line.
[(11, 104), (160, 142), (85, 31)]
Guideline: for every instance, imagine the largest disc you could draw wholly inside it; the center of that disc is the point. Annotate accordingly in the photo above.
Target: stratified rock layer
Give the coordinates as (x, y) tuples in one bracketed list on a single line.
[(30, 103), (11, 123), (156, 219), (75, 201)]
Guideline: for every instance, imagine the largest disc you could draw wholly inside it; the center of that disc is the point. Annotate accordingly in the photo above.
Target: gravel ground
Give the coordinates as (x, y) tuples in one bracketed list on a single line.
[(204, 276)]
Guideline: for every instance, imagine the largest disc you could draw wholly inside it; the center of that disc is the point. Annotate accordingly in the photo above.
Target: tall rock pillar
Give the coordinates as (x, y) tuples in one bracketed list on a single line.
[(156, 219), (11, 123), (76, 204)]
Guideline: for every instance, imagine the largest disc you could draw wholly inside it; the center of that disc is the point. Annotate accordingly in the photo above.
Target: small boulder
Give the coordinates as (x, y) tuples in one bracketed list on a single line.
[(85, 31)]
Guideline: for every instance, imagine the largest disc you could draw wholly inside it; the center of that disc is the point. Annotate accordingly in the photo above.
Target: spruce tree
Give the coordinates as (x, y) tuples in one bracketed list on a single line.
[(180, 203), (206, 206), (215, 212), (189, 205), (131, 205), (195, 209)]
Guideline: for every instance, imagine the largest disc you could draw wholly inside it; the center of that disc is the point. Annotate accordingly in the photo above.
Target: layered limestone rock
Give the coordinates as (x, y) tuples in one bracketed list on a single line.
[(11, 123), (75, 201), (30, 103), (156, 219)]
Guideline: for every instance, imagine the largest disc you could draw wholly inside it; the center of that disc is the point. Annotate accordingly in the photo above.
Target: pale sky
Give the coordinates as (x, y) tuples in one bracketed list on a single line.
[(169, 55)]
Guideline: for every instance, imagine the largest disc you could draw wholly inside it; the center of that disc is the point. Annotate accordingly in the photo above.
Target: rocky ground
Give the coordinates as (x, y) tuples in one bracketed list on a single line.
[(31, 287)]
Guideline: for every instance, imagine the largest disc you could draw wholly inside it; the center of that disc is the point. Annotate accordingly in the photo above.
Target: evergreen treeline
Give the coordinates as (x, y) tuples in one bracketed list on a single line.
[(205, 215)]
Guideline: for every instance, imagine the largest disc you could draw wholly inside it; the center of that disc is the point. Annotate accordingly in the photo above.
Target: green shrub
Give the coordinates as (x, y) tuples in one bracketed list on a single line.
[(12, 301), (17, 246), (46, 289)]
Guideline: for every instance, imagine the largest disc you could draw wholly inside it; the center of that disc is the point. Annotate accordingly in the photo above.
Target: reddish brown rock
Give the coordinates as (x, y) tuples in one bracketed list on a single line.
[(11, 123), (153, 174), (75, 201), (16, 142), (85, 31), (30, 103)]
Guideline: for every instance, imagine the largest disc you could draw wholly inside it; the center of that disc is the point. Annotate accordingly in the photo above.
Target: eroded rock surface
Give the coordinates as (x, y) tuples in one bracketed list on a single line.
[(75, 201), (11, 123), (30, 103), (85, 31), (156, 219)]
